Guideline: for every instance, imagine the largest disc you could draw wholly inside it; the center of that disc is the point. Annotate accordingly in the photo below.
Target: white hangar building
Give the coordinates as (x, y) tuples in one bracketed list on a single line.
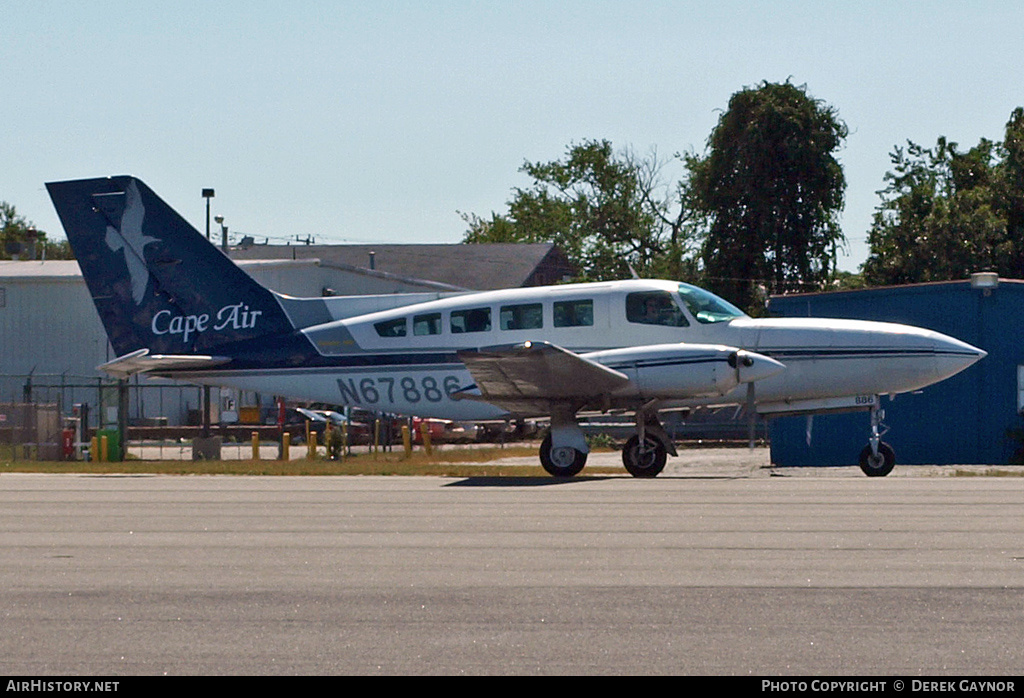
[(51, 339)]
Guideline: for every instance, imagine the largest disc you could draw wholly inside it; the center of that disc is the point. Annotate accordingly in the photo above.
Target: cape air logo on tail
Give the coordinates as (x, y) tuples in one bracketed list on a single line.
[(132, 241), (233, 317)]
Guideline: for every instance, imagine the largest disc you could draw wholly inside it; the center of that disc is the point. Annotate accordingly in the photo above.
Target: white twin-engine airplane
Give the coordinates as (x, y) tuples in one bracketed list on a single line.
[(173, 305)]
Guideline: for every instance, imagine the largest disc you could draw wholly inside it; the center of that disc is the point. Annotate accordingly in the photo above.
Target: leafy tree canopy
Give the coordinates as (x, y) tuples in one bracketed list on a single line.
[(768, 193), (946, 212), (760, 207), (19, 237), (610, 213)]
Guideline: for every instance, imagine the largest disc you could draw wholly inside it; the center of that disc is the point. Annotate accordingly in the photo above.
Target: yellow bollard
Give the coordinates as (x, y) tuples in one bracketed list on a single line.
[(104, 449), (407, 440), (311, 444), (286, 443), (425, 431), (255, 445), (94, 448)]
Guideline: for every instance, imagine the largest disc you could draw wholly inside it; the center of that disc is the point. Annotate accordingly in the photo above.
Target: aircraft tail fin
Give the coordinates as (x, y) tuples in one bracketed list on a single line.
[(158, 283)]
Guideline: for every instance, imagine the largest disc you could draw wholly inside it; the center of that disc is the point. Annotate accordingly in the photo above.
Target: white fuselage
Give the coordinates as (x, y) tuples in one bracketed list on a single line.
[(403, 360)]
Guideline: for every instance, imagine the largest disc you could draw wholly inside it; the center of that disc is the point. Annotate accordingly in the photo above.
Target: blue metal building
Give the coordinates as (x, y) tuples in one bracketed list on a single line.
[(970, 418)]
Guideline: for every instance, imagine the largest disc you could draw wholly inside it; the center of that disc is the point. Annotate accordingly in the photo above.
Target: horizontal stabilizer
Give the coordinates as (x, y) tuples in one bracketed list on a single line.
[(141, 361)]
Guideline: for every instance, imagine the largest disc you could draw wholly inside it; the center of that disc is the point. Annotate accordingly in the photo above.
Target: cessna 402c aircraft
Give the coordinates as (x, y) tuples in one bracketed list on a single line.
[(173, 305)]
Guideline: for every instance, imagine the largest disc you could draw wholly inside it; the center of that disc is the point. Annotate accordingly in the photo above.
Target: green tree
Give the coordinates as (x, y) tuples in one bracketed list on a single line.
[(1010, 185), (946, 213), (609, 213), (17, 233), (768, 192)]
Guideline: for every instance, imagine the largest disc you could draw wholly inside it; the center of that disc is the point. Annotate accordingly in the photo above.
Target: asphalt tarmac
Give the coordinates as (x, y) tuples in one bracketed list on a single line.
[(720, 568)]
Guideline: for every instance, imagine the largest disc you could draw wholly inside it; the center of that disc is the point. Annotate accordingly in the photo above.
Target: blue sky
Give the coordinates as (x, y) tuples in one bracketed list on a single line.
[(379, 121)]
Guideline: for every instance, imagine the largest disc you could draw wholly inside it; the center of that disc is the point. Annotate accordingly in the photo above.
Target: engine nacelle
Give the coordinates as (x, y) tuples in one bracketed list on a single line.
[(675, 371)]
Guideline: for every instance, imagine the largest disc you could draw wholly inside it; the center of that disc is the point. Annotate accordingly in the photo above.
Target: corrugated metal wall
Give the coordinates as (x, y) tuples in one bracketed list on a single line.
[(49, 324)]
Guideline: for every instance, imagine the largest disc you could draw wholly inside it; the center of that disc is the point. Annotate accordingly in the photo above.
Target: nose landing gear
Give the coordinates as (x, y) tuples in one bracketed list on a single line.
[(877, 459)]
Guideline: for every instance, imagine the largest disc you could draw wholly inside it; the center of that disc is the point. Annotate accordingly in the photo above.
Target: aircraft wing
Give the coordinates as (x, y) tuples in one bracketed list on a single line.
[(529, 377), (141, 361)]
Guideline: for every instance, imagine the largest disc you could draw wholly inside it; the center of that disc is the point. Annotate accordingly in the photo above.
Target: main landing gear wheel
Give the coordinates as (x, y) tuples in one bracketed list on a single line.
[(877, 465), (645, 462), (561, 462)]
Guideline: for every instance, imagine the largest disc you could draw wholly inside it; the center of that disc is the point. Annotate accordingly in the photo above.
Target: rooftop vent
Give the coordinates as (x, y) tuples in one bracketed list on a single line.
[(984, 280)]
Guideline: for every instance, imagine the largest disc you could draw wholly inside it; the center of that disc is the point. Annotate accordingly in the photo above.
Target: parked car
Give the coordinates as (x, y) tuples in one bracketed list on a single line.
[(363, 424), (358, 432), (295, 420), (441, 431)]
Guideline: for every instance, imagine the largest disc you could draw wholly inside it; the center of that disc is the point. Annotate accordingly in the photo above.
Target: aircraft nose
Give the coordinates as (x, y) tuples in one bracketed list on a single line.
[(953, 355), (751, 366)]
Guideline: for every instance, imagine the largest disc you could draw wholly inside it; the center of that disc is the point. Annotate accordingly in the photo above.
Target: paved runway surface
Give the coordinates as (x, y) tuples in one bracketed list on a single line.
[(726, 569)]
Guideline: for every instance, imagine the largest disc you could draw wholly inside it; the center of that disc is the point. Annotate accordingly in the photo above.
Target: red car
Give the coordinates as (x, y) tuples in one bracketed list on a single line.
[(440, 430)]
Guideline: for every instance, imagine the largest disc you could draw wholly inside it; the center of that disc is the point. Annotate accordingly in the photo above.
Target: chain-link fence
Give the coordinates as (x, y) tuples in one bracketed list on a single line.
[(30, 431), (54, 417)]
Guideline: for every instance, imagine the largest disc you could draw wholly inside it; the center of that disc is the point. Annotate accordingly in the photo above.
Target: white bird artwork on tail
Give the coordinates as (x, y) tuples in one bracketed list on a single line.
[(130, 240)]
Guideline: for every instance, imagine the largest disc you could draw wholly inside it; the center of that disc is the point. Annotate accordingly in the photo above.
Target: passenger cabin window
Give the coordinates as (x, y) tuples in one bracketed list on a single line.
[(471, 320), (521, 317), (574, 313), (426, 324), (391, 328), (654, 308)]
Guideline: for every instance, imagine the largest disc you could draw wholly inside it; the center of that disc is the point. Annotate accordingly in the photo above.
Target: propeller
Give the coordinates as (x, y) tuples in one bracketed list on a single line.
[(750, 368), (751, 414)]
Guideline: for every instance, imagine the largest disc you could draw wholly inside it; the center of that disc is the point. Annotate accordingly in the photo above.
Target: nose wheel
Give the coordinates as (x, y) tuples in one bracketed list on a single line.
[(877, 464), (877, 459)]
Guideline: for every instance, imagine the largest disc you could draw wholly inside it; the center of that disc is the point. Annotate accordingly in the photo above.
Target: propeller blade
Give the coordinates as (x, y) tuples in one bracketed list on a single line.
[(751, 413)]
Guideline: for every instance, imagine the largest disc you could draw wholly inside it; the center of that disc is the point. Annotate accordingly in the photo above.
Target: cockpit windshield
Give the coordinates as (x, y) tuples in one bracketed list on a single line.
[(706, 307)]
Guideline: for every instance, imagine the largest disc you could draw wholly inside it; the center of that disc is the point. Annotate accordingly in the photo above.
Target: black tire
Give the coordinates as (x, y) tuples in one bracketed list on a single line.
[(650, 462), (880, 465), (561, 463)]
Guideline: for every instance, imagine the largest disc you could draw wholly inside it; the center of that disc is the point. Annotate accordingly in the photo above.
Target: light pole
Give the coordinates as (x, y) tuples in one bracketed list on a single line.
[(207, 194)]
